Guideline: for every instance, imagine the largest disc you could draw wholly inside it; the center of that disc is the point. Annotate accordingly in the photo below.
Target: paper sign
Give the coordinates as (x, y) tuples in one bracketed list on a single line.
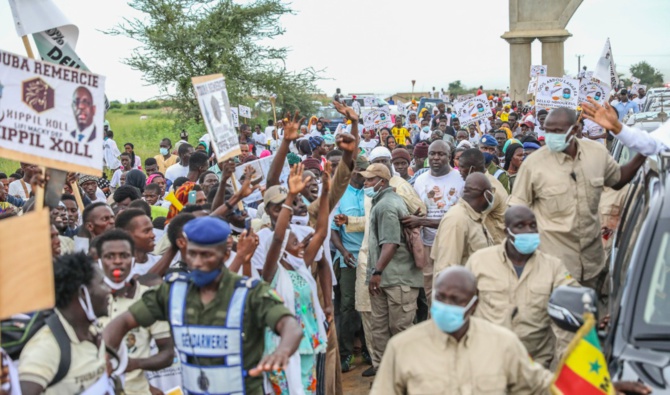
[(532, 86), (553, 92), (212, 96), (636, 88), (368, 101), (588, 75), (245, 112), (29, 286), (595, 90), (538, 70), (377, 118), (261, 169), (236, 117), (634, 80), (473, 110), (51, 115)]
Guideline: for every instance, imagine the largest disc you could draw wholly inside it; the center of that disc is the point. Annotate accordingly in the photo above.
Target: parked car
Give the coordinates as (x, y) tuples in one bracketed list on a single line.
[(333, 117), (428, 103)]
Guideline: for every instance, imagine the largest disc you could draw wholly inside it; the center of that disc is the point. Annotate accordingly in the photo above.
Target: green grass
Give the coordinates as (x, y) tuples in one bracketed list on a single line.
[(128, 128)]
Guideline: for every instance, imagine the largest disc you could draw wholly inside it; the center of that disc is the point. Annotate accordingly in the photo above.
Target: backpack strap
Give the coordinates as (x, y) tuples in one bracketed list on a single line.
[(63, 344), (498, 173)]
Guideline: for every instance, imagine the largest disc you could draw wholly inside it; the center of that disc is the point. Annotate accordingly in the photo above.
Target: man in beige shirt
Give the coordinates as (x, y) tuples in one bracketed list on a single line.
[(515, 281), (462, 231), (460, 354), (562, 183), (472, 161)]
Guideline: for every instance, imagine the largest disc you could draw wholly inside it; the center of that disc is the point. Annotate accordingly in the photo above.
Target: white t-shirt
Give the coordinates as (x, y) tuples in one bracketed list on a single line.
[(175, 171), (265, 239), (260, 138), (116, 178), (268, 132), (231, 258), (593, 129), (368, 145), (435, 192), (143, 268), (16, 189)]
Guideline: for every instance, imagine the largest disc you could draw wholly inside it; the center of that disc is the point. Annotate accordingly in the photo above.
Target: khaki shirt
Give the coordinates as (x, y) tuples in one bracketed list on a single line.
[(495, 219), (519, 303), (137, 340), (41, 356), (460, 234), (564, 195), (488, 360)]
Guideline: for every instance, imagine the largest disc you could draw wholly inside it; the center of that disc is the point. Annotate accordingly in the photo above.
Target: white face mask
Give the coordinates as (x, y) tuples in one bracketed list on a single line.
[(300, 220), (114, 285), (87, 306)]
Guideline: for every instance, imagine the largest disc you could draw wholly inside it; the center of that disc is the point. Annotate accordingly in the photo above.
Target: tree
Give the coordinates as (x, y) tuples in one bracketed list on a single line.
[(186, 38), (456, 88), (648, 75)]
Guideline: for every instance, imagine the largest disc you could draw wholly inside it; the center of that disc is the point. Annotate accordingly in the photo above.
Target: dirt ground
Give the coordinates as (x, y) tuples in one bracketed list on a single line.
[(352, 381)]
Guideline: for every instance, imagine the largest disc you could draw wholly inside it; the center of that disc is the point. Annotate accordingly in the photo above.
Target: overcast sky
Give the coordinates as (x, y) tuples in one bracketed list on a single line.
[(396, 41)]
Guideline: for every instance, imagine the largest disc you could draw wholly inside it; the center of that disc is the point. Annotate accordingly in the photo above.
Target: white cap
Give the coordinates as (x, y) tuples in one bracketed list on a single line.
[(379, 152)]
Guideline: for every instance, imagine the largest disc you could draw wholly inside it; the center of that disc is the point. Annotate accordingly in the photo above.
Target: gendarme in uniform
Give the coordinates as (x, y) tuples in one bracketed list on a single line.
[(219, 342)]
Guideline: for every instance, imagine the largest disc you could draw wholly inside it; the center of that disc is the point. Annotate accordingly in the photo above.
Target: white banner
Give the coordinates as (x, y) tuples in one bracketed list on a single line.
[(473, 110), (553, 92), (538, 70), (236, 116), (261, 169), (595, 90), (245, 112), (636, 88), (368, 101), (377, 118), (532, 86), (605, 70), (212, 96), (51, 114), (466, 97)]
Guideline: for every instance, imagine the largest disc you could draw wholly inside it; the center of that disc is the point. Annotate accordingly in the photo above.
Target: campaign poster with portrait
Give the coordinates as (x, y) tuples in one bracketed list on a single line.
[(245, 112), (595, 90), (212, 95), (554, 92), (473, 110), (377, 118), (51, 115), (236, 117), (538, 70)]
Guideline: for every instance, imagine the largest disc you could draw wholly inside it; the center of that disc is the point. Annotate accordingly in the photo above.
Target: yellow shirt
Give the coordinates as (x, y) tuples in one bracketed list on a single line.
[(495, 219), (564, 195), (164, 164), (488, 360), (519, 303), (400, 134), (137, 340), (41, 356), (461, 232)]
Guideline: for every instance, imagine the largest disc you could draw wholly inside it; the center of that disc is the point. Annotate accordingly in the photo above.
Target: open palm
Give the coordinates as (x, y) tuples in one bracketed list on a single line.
[(296, 183), (292, 126)]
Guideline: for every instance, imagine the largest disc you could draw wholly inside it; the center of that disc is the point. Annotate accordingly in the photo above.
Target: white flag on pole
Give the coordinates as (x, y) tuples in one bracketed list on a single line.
[(36, 16), (605, 70)]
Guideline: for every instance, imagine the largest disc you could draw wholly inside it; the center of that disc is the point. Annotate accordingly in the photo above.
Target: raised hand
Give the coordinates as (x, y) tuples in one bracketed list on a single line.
[(325, 178), (292, 126), (296, 183), (346, 142), (247, 243), (246, 188), (348, 112), (604, 116), (227, 169)]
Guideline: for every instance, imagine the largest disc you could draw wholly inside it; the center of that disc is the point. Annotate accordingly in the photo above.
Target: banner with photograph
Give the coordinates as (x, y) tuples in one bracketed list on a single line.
[(473, 110), (595, 90), (245, 112), (377, 118), (553, 92), (539, 70), (236, 116), (51, 115), (212, 96), (260, 176)]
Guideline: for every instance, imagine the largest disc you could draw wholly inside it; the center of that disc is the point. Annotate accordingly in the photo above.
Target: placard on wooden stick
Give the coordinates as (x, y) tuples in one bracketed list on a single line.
[(26, 279)]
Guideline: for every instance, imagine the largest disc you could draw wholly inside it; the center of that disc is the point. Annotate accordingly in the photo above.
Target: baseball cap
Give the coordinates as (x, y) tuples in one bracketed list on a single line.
[(489, 141), (377, 170), (275, 194)]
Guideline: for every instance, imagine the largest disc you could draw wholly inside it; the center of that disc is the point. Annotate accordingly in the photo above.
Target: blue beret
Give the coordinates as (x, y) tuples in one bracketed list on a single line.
[(207, 231), (530, 145), (489, 141)]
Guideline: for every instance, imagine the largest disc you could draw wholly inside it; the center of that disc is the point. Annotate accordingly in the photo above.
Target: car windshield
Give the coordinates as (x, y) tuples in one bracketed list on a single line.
[(657, 299), (329, 113)]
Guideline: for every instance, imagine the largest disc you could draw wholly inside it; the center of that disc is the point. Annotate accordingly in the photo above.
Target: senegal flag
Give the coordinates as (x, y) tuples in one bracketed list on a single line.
[(583, 369)]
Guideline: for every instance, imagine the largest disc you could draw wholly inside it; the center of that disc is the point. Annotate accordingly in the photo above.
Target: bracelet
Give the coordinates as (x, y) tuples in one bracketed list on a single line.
[(230, 206), (284, 205), (377, 273)]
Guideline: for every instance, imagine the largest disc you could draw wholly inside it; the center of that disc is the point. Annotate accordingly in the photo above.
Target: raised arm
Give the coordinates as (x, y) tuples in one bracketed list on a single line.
[(291, 133), (296, 184), (227, 169), (246, 247), (322, 224), (243, 192)]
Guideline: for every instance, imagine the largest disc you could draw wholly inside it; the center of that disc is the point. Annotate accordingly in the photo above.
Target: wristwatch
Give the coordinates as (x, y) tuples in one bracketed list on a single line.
[(377, 273)]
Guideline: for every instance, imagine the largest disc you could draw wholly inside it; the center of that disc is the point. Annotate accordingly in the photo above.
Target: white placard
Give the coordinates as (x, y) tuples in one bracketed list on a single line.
[(261, 168), (473, 110), (236, 116), (377, 118), (538, 70), (212, 97), (51, 115), (368, 101), (634, 80), (245, 112), (595, 90), (532, 86), (553, 92), (462, 98)]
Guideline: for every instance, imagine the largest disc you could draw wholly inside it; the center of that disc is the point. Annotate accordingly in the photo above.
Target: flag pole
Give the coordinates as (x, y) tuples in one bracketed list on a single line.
[(29, 49)]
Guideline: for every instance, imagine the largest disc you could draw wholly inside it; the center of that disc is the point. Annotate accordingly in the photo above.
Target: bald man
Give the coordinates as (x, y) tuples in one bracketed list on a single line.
[(456, 353), (462, 231), (84, 113), (515, 281)]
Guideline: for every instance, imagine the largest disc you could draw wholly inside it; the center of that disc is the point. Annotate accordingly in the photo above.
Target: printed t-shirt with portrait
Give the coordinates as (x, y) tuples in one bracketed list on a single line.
[(438, 194)]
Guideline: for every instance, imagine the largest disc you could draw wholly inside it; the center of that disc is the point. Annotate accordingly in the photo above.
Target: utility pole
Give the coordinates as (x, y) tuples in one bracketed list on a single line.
[(579, 62)]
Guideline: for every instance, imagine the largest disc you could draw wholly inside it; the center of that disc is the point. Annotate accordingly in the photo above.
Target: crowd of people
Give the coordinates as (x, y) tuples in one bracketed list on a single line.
[(428, 248)]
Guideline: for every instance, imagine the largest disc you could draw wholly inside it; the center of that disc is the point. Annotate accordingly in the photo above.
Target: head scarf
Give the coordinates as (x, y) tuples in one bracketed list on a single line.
[(315, 142), (508, 143), (292, 159), (86, 178), (182, 196), (136, 178), (132, 154), (151, 177), (204, 144), (509, 153), (265, 154), (312, 163)]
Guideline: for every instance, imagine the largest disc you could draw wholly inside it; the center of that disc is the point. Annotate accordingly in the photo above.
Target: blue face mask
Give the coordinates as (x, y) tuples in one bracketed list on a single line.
[(426, 129), (201, 279), (370, 191), (164, 151), (566, 96), (557, 142), (448, 317), (525, 243)]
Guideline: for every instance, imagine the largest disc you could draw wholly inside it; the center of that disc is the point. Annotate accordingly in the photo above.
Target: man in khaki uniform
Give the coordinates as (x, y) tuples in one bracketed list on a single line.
[(472, 161), (515, 281), (462, 231), (469, 356), (562, 183)]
